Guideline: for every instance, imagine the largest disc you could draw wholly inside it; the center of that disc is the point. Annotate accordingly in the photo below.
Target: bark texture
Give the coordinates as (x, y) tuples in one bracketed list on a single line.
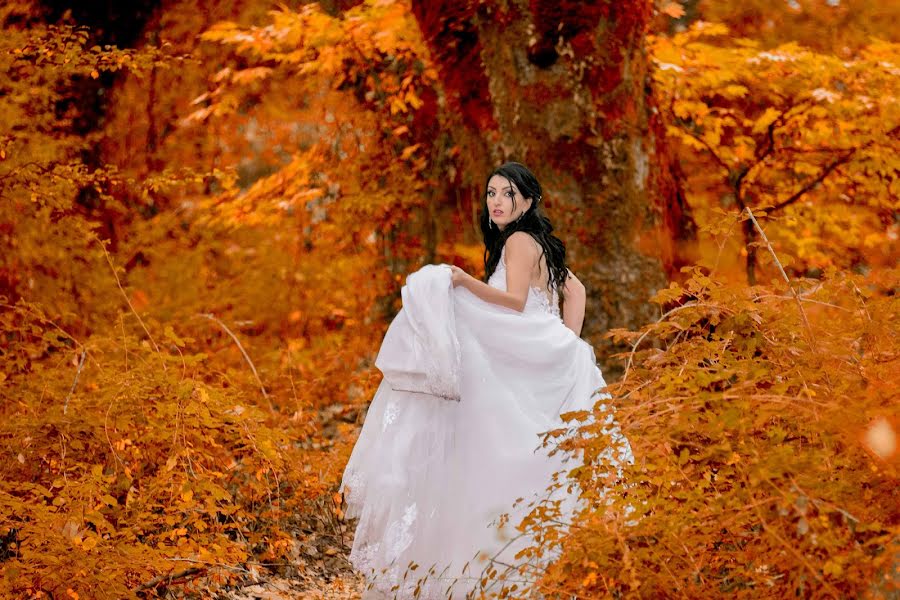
[(563, 86)]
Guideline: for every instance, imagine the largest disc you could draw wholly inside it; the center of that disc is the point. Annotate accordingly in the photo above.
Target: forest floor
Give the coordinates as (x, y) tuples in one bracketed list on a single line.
[(322, 571), (319, 565), (347, 587)]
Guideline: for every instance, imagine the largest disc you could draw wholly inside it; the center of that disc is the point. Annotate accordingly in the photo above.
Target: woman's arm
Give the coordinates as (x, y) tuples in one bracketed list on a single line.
[(521, 256), (574, 303)]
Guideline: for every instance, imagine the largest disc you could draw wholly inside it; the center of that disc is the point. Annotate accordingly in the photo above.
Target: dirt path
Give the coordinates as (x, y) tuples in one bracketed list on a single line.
[(346, 587), (318, 567)]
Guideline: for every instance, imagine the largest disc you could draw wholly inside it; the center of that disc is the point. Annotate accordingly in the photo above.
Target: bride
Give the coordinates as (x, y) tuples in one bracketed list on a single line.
[(450, 457)]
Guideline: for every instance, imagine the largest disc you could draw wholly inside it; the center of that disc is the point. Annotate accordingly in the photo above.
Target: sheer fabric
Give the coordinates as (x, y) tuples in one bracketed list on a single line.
[(429, 478), (420, 352)]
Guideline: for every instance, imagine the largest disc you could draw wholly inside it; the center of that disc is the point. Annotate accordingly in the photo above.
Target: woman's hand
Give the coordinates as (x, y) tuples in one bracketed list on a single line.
[(458, 276)]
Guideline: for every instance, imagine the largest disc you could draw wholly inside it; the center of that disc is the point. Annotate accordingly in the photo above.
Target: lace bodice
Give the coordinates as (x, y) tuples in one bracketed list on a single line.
[(537, 300)]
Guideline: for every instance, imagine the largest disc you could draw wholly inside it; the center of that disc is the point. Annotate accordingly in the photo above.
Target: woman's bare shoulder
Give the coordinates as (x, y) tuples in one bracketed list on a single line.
[(520, 242), (573, 283)]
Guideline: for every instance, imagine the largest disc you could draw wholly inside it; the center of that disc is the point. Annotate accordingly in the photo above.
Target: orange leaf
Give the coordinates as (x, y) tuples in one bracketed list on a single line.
[(674, 10), (409, 150)]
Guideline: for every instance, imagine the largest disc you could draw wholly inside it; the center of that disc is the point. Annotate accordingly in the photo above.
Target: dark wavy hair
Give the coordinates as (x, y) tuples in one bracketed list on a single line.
[(534, 222)]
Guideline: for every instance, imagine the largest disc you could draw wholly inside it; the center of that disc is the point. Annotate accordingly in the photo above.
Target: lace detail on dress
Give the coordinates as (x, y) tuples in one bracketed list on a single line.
[(441, 379), (537, 298), (397, 579), (544, 302), (398, 537), (444, 382), (390, 415), (353, 486)]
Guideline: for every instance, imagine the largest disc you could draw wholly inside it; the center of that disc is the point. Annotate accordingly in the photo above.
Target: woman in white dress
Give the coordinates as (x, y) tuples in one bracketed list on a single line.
[(435, 467)]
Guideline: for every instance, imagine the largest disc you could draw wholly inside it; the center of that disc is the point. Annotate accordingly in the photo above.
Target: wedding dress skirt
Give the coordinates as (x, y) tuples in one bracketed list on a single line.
[(430, 476)]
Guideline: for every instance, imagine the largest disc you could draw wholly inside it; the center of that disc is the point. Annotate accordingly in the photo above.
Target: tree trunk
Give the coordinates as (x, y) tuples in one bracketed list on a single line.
[(564, 88)]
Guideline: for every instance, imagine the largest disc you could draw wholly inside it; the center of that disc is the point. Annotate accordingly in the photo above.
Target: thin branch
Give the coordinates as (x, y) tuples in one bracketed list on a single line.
[(815, 181), (848, 154), (75, 382), (790, 548), (262, 388), (804, 299), (637, 343), (128, 301), (820, 150), (160, 578), (787, 280), (817, 502), (760, 154), (43, 168), (25, 307), (770, 131), (715, 156)]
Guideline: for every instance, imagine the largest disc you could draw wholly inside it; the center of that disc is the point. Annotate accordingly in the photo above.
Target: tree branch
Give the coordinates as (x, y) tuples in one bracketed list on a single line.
[(189, 572), (75, 382), (112, 267), (811, 339), (262, 388), (780, 120), (815, 181), (715, 156), (848, 154), (761, 155)]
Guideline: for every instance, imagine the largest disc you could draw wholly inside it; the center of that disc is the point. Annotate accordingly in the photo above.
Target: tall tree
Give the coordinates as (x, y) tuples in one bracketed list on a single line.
[(564, 87)]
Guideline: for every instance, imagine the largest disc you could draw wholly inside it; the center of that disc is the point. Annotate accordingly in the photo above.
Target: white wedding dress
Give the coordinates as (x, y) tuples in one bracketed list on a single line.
[(429, 476)]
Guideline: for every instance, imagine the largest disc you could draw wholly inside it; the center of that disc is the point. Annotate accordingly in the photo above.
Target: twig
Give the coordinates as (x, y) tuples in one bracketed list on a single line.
[(790, 548), (634, 347), (335, 523), (847, 155), (811, 338), (75, 382), (18, 170), (262, 388), (160, 578), (817, 502), (828, 304), (26, 308), (109, 440), (862, 301), (823, 174), (709, 148), (128, 301), (124, 341)]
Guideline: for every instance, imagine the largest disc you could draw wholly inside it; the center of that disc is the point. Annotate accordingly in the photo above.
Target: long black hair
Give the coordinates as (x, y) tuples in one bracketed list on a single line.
[(533, 221)]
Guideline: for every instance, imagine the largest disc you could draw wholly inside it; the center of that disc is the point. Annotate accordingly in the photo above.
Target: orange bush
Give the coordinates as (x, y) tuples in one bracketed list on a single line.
[(764, 429)]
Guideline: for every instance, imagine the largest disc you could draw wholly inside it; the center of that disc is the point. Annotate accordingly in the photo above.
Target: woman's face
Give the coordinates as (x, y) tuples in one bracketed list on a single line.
[(499, 197)]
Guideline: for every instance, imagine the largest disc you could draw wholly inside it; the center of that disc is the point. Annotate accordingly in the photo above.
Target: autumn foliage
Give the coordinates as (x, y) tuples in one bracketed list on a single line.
[(203, 236), (762, 420)]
